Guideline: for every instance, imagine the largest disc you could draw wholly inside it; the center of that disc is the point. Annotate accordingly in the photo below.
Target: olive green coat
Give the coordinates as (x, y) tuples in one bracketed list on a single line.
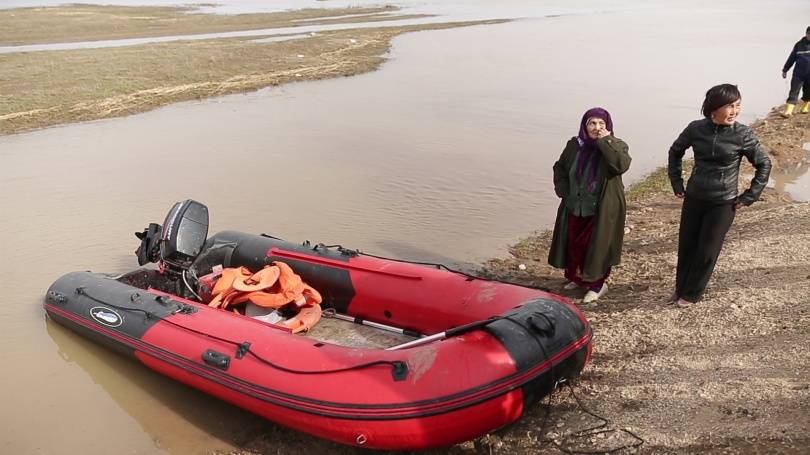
[(605, 248)]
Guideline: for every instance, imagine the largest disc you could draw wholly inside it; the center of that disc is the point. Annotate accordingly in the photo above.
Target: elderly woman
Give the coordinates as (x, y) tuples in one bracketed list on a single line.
[(710, 199), (589, 229)]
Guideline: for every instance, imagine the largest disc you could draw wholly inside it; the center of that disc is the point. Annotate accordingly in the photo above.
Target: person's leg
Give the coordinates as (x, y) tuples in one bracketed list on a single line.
[(716, 224), (691, 219), (793, 96), (796, 84), (806, 96), (596, 289), (576, 246), (596, 285)]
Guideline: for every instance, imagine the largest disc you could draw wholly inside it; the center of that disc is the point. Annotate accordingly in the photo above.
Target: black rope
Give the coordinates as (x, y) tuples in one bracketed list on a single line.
[(148, 314), (587, 432), (437, 265), (397, 365)]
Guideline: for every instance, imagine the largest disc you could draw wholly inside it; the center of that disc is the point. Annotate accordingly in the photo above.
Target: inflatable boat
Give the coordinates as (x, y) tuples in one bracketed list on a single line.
[(473, 354)]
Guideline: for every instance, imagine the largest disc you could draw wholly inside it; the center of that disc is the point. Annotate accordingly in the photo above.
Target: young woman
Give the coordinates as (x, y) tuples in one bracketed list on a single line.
[(718, 143), (589, 229)]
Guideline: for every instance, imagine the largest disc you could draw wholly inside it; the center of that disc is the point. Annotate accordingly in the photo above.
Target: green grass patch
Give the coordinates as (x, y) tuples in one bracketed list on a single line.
[(655, 183)]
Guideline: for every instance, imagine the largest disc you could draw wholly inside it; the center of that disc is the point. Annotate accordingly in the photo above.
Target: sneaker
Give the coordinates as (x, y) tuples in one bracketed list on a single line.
[(570, 286), (593, 296), (684, 303)]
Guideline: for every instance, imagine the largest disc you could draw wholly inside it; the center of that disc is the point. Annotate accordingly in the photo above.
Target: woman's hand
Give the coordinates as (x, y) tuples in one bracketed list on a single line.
[(737, 205), (679, 195), (602, 133)]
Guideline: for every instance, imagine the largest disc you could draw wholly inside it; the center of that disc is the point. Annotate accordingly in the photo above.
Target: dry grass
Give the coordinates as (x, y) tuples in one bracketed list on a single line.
[(73, 23), (41, 89)]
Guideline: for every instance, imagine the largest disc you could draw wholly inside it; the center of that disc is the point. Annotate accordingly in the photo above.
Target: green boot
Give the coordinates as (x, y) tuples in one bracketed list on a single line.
[(805, 107), (788, 110)]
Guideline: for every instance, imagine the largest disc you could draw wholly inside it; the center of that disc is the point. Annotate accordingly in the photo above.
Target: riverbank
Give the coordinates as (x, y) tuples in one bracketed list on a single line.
[(41, 89)]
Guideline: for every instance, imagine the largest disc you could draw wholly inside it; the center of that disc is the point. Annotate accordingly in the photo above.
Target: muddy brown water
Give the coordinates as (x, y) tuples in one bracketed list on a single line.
[(444, 154)]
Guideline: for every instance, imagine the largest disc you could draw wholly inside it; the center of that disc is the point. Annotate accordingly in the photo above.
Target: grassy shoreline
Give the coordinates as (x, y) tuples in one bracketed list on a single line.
[(42, 89), (82, 22)]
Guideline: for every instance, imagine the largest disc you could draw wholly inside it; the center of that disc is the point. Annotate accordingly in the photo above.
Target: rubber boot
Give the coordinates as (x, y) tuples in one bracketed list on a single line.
[(788, 110), (805, 107)]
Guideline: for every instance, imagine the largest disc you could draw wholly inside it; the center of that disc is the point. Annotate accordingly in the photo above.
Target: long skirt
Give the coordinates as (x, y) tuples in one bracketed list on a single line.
[(580, 230)]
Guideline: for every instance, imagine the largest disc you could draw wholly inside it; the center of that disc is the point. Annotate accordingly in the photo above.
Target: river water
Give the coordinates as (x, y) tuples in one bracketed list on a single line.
[(444, 154)]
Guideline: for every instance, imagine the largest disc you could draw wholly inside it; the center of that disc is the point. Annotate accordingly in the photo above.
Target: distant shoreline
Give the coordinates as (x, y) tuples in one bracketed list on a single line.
[(60, 87)]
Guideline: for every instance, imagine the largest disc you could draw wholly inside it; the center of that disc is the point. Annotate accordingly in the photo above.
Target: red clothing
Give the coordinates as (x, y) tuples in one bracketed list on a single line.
[(580, 229)]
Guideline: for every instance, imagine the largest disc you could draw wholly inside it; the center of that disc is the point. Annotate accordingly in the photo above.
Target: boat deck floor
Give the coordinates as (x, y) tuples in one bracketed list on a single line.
[(344, 333)]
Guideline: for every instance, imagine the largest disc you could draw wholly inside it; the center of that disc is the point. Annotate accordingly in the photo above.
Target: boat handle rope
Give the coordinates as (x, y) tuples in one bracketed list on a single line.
[(181, 308), (399, 369), (356, 252)]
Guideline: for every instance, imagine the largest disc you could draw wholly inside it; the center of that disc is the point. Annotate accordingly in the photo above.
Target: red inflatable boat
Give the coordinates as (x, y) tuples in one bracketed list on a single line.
[(481, 353)]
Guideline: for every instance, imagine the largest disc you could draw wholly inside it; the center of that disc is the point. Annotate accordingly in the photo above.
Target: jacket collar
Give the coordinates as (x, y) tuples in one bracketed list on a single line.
[(714, 126)]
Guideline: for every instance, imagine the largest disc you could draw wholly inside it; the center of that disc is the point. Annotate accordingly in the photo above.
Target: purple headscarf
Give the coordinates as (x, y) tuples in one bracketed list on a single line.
[(589, 152)]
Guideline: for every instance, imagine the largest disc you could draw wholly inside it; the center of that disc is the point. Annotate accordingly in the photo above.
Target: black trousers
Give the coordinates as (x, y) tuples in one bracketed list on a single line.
[(795, 85), (703, 229)]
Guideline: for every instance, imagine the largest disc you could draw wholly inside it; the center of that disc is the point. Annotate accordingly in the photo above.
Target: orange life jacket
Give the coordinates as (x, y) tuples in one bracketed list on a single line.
[(274, 286)]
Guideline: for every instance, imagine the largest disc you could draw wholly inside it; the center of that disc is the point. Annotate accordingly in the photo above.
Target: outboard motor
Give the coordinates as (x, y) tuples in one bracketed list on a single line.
[(179, 240), (184, 233)]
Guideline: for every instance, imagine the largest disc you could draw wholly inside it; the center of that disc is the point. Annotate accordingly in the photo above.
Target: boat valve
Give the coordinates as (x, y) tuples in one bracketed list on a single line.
[(399, 371)]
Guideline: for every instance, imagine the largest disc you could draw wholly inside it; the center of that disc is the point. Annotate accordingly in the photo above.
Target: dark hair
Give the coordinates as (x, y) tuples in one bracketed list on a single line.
[(718, 96), (808, 29)]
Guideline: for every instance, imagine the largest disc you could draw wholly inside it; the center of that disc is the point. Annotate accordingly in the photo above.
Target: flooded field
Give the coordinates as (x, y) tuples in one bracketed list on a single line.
[(444, 154)]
